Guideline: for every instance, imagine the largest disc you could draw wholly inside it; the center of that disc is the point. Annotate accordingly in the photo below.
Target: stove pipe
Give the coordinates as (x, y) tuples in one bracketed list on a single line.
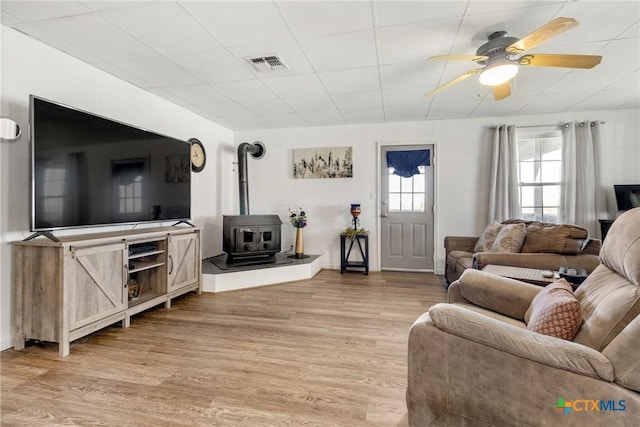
[(257, 151)]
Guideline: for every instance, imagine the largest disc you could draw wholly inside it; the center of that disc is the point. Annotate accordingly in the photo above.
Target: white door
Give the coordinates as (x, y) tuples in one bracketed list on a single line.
[(406, 226)]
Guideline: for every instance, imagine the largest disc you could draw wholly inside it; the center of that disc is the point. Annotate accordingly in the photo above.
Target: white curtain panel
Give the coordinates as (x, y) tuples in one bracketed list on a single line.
[(504, 201), (581, 200)]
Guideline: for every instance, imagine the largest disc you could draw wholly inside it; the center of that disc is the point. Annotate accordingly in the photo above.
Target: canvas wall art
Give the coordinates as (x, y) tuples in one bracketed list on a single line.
[(323, 162)]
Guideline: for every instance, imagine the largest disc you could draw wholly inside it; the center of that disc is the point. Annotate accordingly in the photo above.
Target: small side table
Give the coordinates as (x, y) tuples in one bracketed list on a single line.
[(345, 253)]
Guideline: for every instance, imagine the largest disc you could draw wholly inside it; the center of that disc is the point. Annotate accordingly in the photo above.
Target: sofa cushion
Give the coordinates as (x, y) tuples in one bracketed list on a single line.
[(489, 235), (557, 238), (555, 311), (510, 238)]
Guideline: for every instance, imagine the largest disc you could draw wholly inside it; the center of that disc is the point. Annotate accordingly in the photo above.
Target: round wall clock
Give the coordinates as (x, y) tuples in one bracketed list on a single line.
[(198, 155)]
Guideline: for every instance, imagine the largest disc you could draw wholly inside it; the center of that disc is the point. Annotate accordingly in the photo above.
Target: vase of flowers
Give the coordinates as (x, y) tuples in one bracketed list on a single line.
[(298, 219)]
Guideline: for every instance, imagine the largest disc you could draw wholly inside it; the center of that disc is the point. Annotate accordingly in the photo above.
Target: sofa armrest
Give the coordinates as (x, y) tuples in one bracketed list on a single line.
[(459, 243), (550, 351), (500, 294), (542, 261)]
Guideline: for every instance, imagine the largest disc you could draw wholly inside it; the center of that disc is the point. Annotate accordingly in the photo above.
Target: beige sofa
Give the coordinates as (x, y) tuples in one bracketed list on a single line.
[(546, 247), (473, 362)]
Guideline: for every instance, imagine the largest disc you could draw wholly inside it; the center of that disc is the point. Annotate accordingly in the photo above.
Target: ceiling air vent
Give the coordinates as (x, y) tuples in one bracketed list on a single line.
[(269, 62)]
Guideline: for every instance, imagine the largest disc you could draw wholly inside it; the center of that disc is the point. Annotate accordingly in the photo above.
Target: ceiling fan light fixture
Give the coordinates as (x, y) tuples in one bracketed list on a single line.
[(497, 74)]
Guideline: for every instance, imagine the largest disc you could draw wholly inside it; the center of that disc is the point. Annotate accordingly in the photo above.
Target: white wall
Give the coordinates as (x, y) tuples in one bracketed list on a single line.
[(463, 152), (30, 67)]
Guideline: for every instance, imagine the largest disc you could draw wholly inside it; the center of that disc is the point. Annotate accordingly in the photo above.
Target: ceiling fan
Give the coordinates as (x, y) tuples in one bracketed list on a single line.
[(501, 57)]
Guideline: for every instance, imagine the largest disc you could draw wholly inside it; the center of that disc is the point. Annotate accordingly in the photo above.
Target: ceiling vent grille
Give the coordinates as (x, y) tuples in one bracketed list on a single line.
[(268, 62)]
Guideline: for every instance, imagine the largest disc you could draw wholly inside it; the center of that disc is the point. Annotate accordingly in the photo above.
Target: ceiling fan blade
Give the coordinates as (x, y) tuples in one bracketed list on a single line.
[(459, 58), (502, 91), (453, 82), (560, 60), (542, 34)]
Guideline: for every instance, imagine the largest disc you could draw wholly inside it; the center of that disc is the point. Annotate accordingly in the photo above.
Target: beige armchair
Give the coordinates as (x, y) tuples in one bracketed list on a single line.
[(473, 362)]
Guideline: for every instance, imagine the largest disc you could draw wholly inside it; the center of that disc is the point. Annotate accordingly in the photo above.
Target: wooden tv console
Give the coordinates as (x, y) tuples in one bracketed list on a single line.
[(68, 289)]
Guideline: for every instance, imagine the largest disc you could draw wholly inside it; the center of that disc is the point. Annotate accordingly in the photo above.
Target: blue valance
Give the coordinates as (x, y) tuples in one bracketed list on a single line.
[(405, 163)]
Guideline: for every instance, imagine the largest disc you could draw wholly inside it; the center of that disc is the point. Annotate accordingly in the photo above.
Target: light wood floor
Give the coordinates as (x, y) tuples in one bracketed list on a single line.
[(330, 351)]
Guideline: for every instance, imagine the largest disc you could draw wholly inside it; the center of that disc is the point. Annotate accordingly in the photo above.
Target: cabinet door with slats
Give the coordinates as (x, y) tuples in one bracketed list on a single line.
[(96, 283), (184, 260)]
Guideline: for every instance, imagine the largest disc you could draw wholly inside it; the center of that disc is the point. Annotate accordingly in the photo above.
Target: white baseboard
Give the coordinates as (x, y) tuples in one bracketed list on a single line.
[(6, 343)]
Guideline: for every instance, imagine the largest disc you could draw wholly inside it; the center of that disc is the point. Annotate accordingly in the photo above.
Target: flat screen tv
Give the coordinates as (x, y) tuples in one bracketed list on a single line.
[(627, 196), (88, 170)]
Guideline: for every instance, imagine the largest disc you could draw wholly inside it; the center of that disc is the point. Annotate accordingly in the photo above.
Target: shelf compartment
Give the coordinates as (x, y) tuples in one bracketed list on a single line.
[(144, 297), (141, 266), (144, 254)]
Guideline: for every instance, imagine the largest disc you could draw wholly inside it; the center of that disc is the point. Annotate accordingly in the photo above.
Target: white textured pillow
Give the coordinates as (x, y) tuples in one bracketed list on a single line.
[(510, 238), (485, 242)]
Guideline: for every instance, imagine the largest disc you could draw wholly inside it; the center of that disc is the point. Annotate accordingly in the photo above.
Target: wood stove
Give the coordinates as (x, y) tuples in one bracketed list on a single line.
[(251, 239)]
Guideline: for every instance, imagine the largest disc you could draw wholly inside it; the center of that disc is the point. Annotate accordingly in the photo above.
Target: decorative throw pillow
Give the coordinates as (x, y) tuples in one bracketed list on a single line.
[(485, 242), (510, 238), (555, 311)]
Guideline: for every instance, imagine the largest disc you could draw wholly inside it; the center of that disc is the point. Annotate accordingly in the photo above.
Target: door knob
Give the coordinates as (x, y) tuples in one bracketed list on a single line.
[(384, 215)]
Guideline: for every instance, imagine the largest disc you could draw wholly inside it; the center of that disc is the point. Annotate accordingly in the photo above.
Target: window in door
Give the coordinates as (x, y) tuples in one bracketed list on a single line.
[(540, 171), (407, 194)]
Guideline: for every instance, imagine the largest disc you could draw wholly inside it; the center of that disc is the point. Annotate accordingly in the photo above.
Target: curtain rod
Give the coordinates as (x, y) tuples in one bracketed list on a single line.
[(565, 125)]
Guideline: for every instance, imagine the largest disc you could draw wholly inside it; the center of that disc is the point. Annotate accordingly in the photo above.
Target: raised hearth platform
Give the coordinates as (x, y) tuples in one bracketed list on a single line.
[(215, 279)]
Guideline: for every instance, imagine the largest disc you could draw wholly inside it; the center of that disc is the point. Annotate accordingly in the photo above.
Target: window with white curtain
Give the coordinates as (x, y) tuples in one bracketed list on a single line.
[(540, 174)]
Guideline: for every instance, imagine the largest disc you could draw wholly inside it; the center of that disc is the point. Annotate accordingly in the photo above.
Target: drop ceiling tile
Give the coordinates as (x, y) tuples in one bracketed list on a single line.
[(588, 81), (198, 94), (411, 74), (599, 21), (553, 103), (269, 106), (30, 11), (35, 31), (607, 99), (343, 51), (355, 80), (8, 19), (157, 71), (243, 22), (110, 68), (318, 102), (163, 93), (324, 117), (407, 12), (631, 32), (405, 112), (254, 122), (285, 120), (363, 115), (246, 90), (231, 111), (297, 85), (287, 49), (629, 83), (413, 95), (504, 107), (99, 6), (215, 66), (451, 110), (491, 7), (419, 41), (327, 17), (358, 99), (94, 34), (164, 26)]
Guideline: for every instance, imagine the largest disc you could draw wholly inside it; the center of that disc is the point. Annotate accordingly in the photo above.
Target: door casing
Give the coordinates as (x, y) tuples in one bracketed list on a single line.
[(379, 146)]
